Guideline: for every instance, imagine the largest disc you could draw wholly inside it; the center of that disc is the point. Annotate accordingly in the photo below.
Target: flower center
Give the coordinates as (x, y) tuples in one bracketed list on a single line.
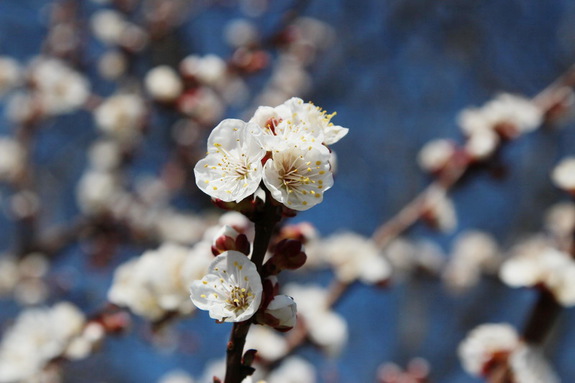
[(238, 298)]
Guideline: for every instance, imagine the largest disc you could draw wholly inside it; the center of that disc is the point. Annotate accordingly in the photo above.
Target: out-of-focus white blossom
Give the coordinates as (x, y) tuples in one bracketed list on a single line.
[(176, 376), (22, 107), (97, 190), (59, 88), (534, 264), (105, 155), (293, 370), (560, 219), (507, 114), (270, 345), (121, 117), (529, 366), (112, 65), (354, 257), (436, 154), (240, 32), (406, 257), (108, 26), (10, 74), (37, 336), (474, 252), (232, 169), (440, 211), (157, 282), (203, 104), (325, 327), (163, 83), (231, 290), (486, 342), (11, 158), (482, 144), (185, 229), (209, 69), (563, 175)]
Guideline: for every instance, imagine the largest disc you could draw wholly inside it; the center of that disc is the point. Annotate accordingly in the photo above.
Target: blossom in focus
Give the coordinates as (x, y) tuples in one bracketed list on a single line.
[(231, 290), (157, 282), (232, 169), (298, 176), (37, 336), (537, 264), (297, 122), (485, 343)]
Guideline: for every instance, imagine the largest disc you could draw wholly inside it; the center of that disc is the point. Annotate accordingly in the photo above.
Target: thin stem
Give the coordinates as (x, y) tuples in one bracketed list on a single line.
[(265, 222), (542, 318)]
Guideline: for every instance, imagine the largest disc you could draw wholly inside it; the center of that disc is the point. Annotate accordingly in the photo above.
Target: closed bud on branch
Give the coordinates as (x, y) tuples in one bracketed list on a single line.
[(288, 255)]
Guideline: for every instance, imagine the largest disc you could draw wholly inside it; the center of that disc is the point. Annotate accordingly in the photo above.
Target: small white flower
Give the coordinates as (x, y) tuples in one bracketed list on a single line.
[(157, 282), (232, 289), (435, 154), (483, 343), (542, 265), (270, 345), (297, 122), (284, 309), (354, 257), (163, 83), (563, 175), (508, 114), (232, 169), (121, 117), (37, 336), (293, 370), (298, 177), (10, 74), (60, 89)]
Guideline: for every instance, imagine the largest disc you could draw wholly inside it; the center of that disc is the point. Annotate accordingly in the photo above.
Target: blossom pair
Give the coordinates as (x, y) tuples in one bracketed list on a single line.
[(285, 147)]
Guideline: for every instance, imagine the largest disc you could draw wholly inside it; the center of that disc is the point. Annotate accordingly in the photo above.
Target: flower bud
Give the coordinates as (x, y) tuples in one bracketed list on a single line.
[(281, 313), (288, 255), (229, 239)]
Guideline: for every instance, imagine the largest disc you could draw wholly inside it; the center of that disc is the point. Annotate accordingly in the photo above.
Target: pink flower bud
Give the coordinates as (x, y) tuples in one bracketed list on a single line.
[(229, 239), (288, 255)]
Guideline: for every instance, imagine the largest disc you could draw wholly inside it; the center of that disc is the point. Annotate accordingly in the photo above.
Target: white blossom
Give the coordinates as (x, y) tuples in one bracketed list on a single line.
[(297, 122), (232, 169), (231, 290), (11, 158), (354, 257), (97, 190), (563, 175), (176, 376), (108, 26), (10, 74), (157, 282), (529, 366), (535, 265), (510, 115), (283, 309), (474, 252), (483, 343), (293, 370), (269, 344), (298, 176), (37, 336), (326, 328), (435, 154), (209, 69), (121, 117), (163, 83), (59, 88)]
